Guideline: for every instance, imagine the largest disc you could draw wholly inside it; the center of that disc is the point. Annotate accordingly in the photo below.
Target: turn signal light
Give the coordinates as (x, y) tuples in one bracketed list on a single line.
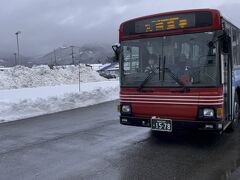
[(219, 112)]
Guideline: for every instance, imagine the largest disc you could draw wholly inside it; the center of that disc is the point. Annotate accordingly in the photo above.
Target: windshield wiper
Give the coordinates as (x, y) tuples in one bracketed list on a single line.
[(171, 74), (174, 77), (150, 75)]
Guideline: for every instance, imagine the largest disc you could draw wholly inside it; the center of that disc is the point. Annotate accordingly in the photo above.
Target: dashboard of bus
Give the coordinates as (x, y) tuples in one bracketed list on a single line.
[(171, 61)]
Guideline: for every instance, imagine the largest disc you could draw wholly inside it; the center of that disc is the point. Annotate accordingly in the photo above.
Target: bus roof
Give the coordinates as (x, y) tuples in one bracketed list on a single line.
[(174, 12)]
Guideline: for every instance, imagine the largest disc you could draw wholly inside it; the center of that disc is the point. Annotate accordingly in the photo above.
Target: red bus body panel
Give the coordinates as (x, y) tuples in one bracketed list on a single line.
[(170, 102)]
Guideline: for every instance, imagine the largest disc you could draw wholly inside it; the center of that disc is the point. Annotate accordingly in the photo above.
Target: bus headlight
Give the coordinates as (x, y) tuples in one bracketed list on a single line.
[(126, 108), (208, 112)]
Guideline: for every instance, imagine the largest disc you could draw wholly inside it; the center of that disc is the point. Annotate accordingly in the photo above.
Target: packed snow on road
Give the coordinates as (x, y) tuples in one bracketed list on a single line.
[(27, 92)]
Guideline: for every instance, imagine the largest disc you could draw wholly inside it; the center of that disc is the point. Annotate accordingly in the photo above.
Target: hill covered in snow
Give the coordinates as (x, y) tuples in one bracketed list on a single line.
[(73, 55), (87, 54)]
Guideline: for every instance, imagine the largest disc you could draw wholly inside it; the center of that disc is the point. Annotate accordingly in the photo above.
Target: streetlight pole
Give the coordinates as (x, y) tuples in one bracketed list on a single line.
[(17, 33)]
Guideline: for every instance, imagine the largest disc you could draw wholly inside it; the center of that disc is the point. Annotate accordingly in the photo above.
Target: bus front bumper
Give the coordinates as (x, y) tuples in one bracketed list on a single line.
[(176, 124)]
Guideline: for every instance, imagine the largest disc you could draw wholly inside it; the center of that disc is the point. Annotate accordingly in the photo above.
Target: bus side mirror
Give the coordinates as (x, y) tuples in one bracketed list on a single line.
[(225, 43), (116, 50)]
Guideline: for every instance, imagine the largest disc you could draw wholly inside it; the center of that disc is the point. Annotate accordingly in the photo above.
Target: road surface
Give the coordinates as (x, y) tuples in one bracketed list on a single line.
[(89, 143)]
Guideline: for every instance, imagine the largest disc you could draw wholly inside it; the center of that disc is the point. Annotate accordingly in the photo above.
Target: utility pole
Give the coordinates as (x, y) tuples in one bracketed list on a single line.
[(15, 58), (52, 60), (79, 76), (17, 33), (72, 55), (55, 57)]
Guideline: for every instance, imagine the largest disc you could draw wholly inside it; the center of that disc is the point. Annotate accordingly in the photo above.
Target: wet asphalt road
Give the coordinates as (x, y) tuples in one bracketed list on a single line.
[(89, 143)]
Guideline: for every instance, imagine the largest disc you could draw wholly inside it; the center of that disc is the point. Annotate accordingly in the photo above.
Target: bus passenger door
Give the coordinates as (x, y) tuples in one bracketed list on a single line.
[(227, 84)]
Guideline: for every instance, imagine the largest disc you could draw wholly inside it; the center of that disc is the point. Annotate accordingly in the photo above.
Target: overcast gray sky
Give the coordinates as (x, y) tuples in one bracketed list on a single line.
[(47, 24)]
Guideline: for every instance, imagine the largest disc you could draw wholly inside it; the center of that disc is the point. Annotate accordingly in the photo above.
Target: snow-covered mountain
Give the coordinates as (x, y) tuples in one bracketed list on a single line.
[(8, 59), (90, 54), (73, 55)]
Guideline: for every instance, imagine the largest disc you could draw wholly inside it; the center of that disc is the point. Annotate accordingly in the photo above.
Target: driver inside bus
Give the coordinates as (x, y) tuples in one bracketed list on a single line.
[(182, 69), (152, 65)]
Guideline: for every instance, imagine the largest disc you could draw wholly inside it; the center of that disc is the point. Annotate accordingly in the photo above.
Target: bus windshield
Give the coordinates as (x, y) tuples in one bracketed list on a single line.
[(171, 61)]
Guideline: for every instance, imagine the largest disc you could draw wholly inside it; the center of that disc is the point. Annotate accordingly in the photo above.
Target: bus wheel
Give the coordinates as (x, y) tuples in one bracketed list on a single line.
[(235, 120)]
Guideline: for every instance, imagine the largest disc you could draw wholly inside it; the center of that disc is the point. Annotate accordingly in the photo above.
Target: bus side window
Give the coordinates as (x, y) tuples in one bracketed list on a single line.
[(235, 47), (238, 47), (131, 59)]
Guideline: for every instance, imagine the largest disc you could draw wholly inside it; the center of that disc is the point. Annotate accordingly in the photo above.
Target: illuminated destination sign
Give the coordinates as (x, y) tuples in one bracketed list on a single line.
[(165, 23), (168, 22)]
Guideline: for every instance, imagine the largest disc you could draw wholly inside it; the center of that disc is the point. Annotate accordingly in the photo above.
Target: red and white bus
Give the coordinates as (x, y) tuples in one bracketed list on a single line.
[(179, 70)]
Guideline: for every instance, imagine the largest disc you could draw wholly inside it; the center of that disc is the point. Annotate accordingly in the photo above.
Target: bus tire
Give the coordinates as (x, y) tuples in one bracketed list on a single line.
[(235, 120)]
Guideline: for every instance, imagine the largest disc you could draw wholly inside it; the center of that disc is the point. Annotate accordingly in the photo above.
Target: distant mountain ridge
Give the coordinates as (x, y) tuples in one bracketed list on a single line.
[(88, 54)]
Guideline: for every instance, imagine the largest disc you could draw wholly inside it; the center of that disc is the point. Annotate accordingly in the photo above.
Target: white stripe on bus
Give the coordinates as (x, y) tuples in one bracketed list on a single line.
[(150, 99), (173, 103), (163, 96)]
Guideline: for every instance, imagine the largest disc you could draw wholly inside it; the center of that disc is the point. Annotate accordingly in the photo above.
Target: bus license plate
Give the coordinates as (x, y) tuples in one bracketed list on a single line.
[(161, 124)]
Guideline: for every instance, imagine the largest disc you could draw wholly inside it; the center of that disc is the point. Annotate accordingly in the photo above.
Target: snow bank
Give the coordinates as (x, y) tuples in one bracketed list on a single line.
[(23, 103), (24, 77)]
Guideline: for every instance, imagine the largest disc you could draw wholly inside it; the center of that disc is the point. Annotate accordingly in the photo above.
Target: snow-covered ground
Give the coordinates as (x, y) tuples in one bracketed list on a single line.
[(24, 77), (27, 92), (28, 102)]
